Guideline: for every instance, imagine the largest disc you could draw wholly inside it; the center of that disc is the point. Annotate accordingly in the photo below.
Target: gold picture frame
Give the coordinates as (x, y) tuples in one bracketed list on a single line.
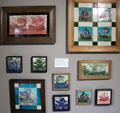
[(96, 45), (84, 97), (61, 81), (94, 69)]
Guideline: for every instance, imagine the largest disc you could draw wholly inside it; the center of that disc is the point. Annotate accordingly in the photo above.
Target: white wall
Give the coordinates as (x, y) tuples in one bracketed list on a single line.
[(52, 51)]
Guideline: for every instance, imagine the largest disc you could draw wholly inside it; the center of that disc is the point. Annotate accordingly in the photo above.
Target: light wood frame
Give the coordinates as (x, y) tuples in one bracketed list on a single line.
[(60, 89), (70, 29), (84, 90), (80, 77)]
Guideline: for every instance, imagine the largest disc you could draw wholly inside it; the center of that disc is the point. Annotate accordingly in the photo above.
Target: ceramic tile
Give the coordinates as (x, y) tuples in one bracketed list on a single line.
[(90, 24), (105, 5), (82, 43), (104, 24), (17, 107), (39, 107), (113, 14), (95, 11), (76, 13), (95, 32), (75, 33), (85, 5), (113, 34), (104, 43)]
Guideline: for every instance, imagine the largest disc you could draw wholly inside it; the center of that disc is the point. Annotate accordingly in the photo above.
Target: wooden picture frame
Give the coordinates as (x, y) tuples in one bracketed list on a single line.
[(28, 25), (63, 103), (38, 64), (14, 64), (87, 30), (61, 81), (92, 69), (27, 95), (84, 97), (103, 97)]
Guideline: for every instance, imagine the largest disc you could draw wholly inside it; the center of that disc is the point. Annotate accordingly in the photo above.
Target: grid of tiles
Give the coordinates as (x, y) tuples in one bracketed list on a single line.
[(95, 24)]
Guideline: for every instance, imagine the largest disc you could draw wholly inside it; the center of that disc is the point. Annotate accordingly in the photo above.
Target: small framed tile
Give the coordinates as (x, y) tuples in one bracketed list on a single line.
[(61, 102), (14, 64), (29, 96), (38, 64), (103, 97)]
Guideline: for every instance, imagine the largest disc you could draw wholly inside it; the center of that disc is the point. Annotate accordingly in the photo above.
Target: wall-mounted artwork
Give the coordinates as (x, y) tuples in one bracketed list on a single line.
[(28, 25), (61, 102), (27, 95), (93, 26), (38, 64), (103, 97), (61, 81), (84, 97), (14, 64), (94, 69)]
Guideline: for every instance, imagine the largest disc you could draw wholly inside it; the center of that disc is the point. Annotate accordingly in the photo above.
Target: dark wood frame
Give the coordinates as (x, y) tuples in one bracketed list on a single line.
[(70, 32), (53, 99), (12, 99), (32, 71), (49, 38), (84, 90), (96, 94), (8, 71), (94, 61), (60, 89)]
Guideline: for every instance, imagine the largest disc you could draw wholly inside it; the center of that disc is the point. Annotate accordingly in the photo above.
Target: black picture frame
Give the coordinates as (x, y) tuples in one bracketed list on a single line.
[(44, 70), (14, 67), (34, 85), (53, 99), (96, 97)]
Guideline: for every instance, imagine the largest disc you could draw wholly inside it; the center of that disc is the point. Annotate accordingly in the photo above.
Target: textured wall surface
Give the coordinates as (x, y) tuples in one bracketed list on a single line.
[(52, 51)]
